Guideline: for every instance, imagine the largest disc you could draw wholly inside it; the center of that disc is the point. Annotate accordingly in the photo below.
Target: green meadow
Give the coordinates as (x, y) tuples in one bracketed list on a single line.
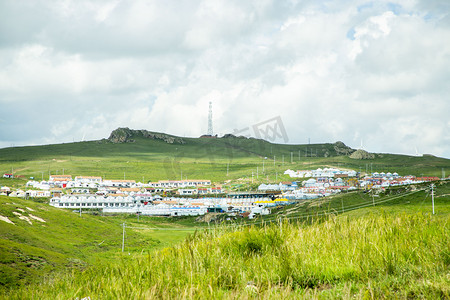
[(218, 159), (61, 240), (391, 248), (360, 244)]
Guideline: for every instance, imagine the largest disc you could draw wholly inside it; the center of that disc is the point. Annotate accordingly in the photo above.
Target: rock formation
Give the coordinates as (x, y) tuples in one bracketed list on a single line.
[(342, 149), (361, 154), (125, 135)]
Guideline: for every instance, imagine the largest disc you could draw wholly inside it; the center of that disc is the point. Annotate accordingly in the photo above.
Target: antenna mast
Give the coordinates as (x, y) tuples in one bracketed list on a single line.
[(210, 126)]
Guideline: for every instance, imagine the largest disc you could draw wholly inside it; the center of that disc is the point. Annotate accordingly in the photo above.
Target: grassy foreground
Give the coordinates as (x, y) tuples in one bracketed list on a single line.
[(44, 240), (375, 256)]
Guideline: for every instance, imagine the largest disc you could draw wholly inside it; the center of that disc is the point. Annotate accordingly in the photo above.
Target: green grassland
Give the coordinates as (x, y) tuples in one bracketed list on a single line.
[(65, 240), (401, 199), (209, 158), (395, 249), (352, 245)]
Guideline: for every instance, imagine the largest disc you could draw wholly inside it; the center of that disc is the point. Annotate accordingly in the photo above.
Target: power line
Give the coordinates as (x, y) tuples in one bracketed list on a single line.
[(275, 218)]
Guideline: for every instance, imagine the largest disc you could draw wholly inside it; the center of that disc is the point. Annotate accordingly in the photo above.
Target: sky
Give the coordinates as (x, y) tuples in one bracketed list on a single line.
[(372, 74)]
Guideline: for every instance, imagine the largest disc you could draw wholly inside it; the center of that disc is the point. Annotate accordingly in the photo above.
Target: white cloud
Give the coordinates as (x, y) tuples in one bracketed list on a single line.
[(332, 70)]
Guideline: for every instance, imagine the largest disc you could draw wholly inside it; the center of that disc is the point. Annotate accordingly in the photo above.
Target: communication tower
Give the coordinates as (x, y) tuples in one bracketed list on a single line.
[(210, 126)]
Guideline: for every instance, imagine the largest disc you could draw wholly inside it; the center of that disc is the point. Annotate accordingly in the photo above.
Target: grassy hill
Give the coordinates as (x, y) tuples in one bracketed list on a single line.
[(147, 159), (401, 199), (43, 239), (395, 249), (355, 244)]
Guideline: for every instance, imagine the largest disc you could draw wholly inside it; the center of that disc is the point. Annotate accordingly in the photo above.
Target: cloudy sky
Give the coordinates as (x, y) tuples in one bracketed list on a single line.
[(375, 73)]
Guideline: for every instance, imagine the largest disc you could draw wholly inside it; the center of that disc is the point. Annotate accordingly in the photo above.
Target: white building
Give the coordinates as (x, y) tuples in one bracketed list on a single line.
[(98, 201), (38, 194), (180, 183), (88, 179), (119, 183)]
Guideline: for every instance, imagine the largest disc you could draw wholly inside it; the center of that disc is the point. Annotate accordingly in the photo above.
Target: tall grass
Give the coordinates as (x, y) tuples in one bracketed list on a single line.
[(376, 256)]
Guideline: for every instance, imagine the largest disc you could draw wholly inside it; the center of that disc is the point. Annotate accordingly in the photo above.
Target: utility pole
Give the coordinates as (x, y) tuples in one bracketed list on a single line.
[(274, 160), (432, 195), (263, 166), (123, 236)]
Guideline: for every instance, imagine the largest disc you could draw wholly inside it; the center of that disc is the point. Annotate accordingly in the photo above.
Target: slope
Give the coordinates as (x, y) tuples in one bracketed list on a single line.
[(384, 251), (37, 239), (218, 159)]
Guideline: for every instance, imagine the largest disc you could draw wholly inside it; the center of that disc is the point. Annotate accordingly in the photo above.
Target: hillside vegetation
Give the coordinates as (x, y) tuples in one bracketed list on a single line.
[(359, 244), (395, 249), (376, 256), (134, 155), (41, 239)]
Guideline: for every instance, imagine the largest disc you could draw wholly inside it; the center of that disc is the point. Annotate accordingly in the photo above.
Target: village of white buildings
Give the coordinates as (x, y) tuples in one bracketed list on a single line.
[(197, 197)]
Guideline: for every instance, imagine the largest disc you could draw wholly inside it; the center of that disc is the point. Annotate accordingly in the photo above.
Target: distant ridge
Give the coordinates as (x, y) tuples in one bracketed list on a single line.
[(127, 135), (140, 154)]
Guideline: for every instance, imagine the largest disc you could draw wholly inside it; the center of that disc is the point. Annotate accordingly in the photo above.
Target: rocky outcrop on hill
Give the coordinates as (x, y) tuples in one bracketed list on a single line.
[(362, 154), (126, 135), (232, 136), (121, 135), (342, 149)]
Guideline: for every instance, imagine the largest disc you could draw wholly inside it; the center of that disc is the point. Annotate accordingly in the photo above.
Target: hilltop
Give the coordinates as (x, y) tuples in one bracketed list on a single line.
[(143, 155)]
